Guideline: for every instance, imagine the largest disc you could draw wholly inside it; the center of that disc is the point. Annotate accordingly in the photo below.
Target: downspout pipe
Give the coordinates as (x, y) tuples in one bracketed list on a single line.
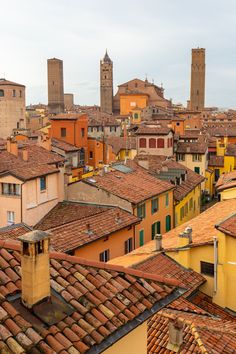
[(215, 241)]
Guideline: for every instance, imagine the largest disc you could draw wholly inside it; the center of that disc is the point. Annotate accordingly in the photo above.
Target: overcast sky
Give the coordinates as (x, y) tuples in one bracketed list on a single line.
[(143, 37)]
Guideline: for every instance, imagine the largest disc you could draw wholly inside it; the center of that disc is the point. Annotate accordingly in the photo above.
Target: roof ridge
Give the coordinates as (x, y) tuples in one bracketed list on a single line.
[(15, 245)]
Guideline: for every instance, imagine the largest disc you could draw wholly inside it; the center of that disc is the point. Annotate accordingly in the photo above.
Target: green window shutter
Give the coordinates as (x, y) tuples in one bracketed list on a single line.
[(158, 227), (168, 223), (144, 210), (141, 238), (153, 231)]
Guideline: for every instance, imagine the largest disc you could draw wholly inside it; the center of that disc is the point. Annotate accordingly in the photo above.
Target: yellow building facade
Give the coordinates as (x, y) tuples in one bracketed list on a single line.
[(188, 207)]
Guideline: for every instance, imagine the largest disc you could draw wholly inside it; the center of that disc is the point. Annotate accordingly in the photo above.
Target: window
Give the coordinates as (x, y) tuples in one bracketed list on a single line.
[(63, 132), (13, 93), (180, 157), (217, 174), (135, 115), (10, 189), (186, 208), (141, 238), (207, 268), (10, 217), (181, 213), (90, 154), (82, 156), (20, 93), (141, 211), (42, 183), (142, 143), (168, 223), (167, 199), (128, 245), (155, 205), (191, 204), (197, 157), (156, 229), (82, 132), (160, 143), (104, 256), (197, 169), (177, 123), (1, 93), (152, 143)]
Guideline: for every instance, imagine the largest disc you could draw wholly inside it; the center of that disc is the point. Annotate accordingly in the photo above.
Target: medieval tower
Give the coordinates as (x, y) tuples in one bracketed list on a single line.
[(197, 91), (55, 86), (106, 84)]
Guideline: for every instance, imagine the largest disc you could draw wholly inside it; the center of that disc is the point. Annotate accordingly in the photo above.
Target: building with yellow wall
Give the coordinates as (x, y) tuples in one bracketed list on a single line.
[(131, 188), (202, 246), (226, 186), (187, 191)]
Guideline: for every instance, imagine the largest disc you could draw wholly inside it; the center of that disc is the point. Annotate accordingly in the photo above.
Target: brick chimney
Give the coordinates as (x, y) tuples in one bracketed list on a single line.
[(35, 276), (25, 154), (12, 146), (175, 335)]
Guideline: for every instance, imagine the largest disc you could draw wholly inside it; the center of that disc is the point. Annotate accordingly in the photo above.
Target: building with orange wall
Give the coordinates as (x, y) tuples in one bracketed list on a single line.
[(99, 153), (90, 231), (71, 128), (130, 102)]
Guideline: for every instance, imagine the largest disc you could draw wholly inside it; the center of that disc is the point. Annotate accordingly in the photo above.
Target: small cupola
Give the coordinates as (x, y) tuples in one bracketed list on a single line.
[(35, 275)]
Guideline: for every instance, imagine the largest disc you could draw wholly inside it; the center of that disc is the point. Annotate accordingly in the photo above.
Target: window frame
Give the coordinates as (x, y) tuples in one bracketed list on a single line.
[(154, 208), (43, 183), (63, 132), (141, 211), (207, 268), (128, 245), (104, 256)]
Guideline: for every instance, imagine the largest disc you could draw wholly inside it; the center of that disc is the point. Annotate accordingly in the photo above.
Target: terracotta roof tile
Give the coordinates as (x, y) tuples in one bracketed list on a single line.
[(121, 143), (228, 226), (130, 293), (198, 147), (130, 186), (226, 181)]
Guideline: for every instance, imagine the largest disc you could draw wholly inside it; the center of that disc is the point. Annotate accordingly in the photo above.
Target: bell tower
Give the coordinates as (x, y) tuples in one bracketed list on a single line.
[(197, 92), (106, 84)]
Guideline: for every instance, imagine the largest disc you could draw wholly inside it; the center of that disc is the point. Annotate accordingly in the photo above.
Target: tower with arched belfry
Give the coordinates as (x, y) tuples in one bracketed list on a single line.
[(106, 84)]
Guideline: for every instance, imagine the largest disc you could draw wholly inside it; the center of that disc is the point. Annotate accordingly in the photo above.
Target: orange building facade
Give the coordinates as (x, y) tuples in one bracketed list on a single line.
[(130, 102)]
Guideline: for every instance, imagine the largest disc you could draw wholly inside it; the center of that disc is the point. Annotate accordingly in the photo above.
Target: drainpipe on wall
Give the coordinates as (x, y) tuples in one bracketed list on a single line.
[(215, 240)]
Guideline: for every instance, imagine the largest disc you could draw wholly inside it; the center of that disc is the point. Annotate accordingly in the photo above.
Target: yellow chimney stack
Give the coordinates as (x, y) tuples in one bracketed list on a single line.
[(35, 275)]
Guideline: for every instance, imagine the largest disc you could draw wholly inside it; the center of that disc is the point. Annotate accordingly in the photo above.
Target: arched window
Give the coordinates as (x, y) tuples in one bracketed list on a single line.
[(160, 143), (142, 143), (1, 93), (152, 143)]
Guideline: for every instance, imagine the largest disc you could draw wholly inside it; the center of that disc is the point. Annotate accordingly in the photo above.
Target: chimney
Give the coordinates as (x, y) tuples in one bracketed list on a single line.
[(12, 146), (118, 219), (158, 242), (175, 335), (25, 155), (188, 231), (35, 274), (185, 238)]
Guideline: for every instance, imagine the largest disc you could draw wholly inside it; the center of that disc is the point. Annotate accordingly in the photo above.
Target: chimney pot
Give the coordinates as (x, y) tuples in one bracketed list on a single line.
[(158, 240)]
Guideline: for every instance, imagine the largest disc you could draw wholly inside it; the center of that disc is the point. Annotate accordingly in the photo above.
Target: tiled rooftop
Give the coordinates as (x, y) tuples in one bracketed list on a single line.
[(62, 145), (157, 164), (120, 143), (226, 180), (201, 334), (228, 226), (152, 130), (205, 302), (203, 227), (130, 186), (13, 231), (162, 264), (191, 148), (217, 161), (104, 298)]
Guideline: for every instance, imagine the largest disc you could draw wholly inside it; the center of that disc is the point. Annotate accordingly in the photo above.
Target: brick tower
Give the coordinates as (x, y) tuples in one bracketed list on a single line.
[(197, 93), (106, 84), (55, 86)]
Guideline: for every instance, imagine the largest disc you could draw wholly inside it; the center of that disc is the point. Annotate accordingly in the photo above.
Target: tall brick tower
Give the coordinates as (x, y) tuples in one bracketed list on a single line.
[(197, 92), (55, 86), (106, 84)]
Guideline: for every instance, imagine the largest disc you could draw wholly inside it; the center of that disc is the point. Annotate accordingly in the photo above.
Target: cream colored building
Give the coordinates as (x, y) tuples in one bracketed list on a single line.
[(12, 107)]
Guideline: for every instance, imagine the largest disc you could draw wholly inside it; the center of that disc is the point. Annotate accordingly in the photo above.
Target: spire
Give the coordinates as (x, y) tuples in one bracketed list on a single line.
[(106, 58)]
